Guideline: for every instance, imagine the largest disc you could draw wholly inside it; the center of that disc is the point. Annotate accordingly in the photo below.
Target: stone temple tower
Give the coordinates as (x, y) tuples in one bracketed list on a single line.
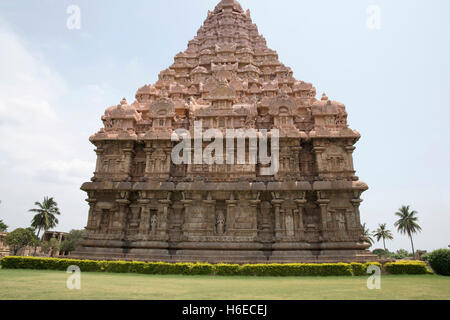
[(143, 206)]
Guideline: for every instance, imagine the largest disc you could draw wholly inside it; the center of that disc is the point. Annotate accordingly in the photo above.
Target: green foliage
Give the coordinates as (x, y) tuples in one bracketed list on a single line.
[(440, 261), (260, 270), (45, 215), (383, 233), (295, 269), (19, 239), (3, 226), (406, 267), (201, 269), (425, 257), (401, 254), (223, 269), (408, 223), (381, 252), (71, 240), (360, 269), (367, 235), (52, 246)]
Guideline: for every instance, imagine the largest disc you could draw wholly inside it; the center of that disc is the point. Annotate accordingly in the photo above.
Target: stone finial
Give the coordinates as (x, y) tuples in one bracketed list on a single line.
[(324, 97), (123, 101), (233, 4)]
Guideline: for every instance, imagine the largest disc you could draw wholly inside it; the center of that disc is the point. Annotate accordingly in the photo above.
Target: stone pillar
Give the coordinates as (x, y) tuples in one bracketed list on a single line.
[(351, 167), (148, 154), (123, 205), (98, 166), (254, 208), (318, 150), (356, 203), (90, 225), (296, 151), (163, 217), (277, 204), (230, 204), (144, 224), (211, 215), (323, 203), (128, 154), (168, 152), (187, 212), (301, 211)]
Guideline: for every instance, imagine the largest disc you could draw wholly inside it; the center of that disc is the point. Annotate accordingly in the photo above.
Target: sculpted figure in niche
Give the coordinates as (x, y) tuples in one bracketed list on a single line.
[(289, 223), (153, 223), (341, 221), (220, 223)]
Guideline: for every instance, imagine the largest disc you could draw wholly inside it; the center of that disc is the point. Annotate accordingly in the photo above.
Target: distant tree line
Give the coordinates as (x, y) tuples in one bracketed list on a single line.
[(45, 218), (407, 223)]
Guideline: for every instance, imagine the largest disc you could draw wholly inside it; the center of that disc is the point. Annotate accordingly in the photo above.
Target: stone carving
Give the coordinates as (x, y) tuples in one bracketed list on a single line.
[(143, 206), (153, 223), (220, 223)]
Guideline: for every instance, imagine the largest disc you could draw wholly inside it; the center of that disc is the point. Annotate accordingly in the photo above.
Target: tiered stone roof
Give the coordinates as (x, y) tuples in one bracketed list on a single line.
[(227, 55)]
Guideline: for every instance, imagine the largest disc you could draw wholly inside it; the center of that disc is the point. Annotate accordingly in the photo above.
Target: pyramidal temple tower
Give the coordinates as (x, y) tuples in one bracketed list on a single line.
[(145, 207)]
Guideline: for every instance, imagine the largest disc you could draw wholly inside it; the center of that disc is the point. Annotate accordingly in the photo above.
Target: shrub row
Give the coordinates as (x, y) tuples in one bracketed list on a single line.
[(360, 269), (298, 269), (406, 267)]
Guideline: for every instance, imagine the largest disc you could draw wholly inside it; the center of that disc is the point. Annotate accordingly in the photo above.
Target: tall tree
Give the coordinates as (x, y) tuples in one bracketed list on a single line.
[(45, 217), (72, 240), (366, 234), (3, 226), (383, 233), (20, 238), (408, 223)]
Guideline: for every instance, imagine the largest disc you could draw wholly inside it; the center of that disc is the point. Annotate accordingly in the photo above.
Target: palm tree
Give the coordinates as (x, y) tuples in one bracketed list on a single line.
[(383, 233), (407, 224), (45, 217), (366, 234)]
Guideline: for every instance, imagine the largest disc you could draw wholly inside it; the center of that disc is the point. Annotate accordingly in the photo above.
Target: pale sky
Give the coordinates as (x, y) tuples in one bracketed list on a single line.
[(55, 84)]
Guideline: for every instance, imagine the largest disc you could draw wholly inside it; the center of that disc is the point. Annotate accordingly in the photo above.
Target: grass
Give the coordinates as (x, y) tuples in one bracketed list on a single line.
[(37, 284)]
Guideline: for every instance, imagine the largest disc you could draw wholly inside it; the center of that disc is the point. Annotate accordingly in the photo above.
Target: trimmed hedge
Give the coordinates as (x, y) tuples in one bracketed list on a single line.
[(260, 270), (360, 269), (406, 267)]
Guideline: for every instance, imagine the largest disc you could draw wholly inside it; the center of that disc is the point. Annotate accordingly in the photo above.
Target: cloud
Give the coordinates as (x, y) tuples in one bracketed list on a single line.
[(32, 131), (40, 154)]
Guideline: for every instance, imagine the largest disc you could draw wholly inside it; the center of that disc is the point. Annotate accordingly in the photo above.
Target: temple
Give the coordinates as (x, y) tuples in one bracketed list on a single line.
[(145, 207)]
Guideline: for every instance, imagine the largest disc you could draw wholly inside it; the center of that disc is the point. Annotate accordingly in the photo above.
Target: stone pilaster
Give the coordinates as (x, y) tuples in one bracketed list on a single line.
[(148, 159), (301, 211), (144, 224), (210, 217), (232, 203), (356, 203), (277, 205), (323, 202), (163, 215), (128, 158), (98, 165), (350, 149), (122, 223)]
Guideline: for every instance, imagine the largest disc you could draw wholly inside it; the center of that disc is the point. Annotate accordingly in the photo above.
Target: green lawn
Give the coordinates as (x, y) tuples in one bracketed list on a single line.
[(33, 284)]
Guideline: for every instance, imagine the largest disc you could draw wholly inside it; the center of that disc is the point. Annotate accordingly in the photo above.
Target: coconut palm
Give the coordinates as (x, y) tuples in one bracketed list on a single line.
[(383, 233), (366, 234), (45, 217), (407, 223)]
